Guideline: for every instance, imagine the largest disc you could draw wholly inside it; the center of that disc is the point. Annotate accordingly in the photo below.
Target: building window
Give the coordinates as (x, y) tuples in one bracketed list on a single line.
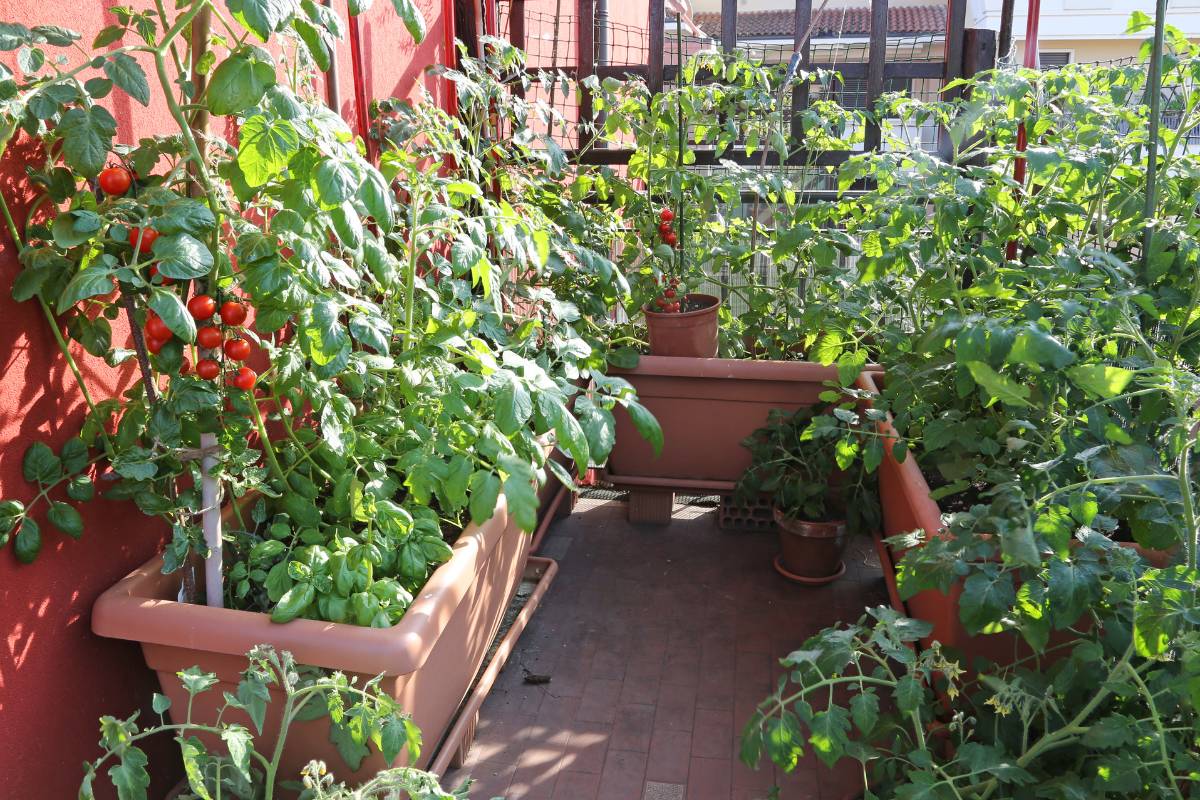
[(1054, 58)]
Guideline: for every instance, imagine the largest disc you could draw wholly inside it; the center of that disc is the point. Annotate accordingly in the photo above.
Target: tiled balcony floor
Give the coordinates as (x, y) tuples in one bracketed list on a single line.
[(659, 642)]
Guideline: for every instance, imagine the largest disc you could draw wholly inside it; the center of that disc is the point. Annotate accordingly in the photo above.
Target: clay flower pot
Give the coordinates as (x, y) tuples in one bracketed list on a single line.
[(810, 552), (691, 333), (427, 661)]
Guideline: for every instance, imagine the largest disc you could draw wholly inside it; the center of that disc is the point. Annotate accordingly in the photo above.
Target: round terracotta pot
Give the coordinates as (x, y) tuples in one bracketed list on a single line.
[(686, 333), (810, 552)]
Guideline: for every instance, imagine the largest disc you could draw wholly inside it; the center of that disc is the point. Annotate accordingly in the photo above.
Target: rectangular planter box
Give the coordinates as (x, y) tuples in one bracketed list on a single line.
[(706, 407), (428, 660), (907, 506)]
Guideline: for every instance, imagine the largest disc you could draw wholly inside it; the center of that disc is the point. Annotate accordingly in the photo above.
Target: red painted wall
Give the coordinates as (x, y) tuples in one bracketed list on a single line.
[(56, 678)]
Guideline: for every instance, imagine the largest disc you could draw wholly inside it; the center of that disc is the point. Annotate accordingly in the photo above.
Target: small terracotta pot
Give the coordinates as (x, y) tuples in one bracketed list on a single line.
[(688, 333), (810, 552)]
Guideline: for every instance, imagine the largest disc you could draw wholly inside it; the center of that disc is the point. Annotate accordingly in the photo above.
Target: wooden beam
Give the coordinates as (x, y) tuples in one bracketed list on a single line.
[(728, 26), (979, 51), (800, 43), (708, 158), (858, 69), (876, 58), (585, 16), (956, 21), (657, 37), (516, 33), (1004, 46)]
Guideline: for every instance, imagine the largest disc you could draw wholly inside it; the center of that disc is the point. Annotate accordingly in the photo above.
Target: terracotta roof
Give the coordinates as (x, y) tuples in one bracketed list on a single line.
[(852, 21)]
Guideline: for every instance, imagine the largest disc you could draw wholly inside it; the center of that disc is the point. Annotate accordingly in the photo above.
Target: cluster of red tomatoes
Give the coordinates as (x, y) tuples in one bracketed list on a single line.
[(668, 302), (665, 230), (209, 337), (116, 181)]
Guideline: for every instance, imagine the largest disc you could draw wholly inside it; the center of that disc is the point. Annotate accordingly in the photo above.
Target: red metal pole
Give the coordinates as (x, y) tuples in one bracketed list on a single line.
[(1032, 20), (451, 56), (360, 88)]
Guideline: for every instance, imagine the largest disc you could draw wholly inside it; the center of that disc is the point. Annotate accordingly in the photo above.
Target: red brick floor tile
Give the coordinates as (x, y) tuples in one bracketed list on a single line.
[(623, 777), (676, 707), (709, 779), (670, 755), (577, 786), (760, 779), (489, 778), (599, 702), (641, 684), (633, 728), (586, 747), (712, 735), (715, 690)]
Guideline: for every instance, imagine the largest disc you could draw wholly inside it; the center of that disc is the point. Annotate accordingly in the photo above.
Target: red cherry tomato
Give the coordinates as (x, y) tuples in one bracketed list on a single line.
[(674, 281), (666, 215), (237, 349), (674, 307), (670, 239), (669, 293), (201, 307), (207, 369), (244, 378), (115, 180), (185, 365), (156, 328), (233, 312), (209, 337), (661, 302), (664, 228), (154, 345), (148, 236)]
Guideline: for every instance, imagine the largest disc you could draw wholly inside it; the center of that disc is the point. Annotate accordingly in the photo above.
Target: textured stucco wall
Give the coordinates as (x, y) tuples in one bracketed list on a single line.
[(56, 678)]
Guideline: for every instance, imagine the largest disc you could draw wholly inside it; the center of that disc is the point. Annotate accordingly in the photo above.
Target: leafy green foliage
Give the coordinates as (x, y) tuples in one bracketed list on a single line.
[(360, 717)]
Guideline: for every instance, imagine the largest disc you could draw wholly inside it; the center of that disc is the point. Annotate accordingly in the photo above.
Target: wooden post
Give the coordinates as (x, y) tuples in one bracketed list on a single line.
[(1004, 46), (876, 58), (800, 89), (728, 26), (516, 34), (979, 51), (585, 14), (657, 32), (955, 25)]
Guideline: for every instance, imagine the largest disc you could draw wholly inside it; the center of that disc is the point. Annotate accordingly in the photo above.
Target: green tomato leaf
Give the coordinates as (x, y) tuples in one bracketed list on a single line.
[(485, 491), (645, 423), (123, 70), (265, 148), (240, 81), (412, 17), (66, 518), (40, 465), (87, 137), (174, 313), (182, 256), (90, 282), (28, 541), (1099, 380), (999, 387)]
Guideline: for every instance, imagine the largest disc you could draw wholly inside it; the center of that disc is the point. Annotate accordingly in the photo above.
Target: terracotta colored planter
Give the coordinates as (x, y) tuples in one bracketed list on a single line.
[(907, 506), (428, 660), (810, 552), (706, 407), (690, 334)]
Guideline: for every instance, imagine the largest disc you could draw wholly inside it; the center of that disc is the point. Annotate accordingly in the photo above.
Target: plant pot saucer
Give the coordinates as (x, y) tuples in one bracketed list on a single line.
[(805, 581)]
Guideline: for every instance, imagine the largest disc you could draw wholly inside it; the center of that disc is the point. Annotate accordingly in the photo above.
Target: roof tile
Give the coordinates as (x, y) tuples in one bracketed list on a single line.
[(849, 21)]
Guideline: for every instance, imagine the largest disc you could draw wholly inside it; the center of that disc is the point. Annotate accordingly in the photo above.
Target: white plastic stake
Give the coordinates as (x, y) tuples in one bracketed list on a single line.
[(211, 520)]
